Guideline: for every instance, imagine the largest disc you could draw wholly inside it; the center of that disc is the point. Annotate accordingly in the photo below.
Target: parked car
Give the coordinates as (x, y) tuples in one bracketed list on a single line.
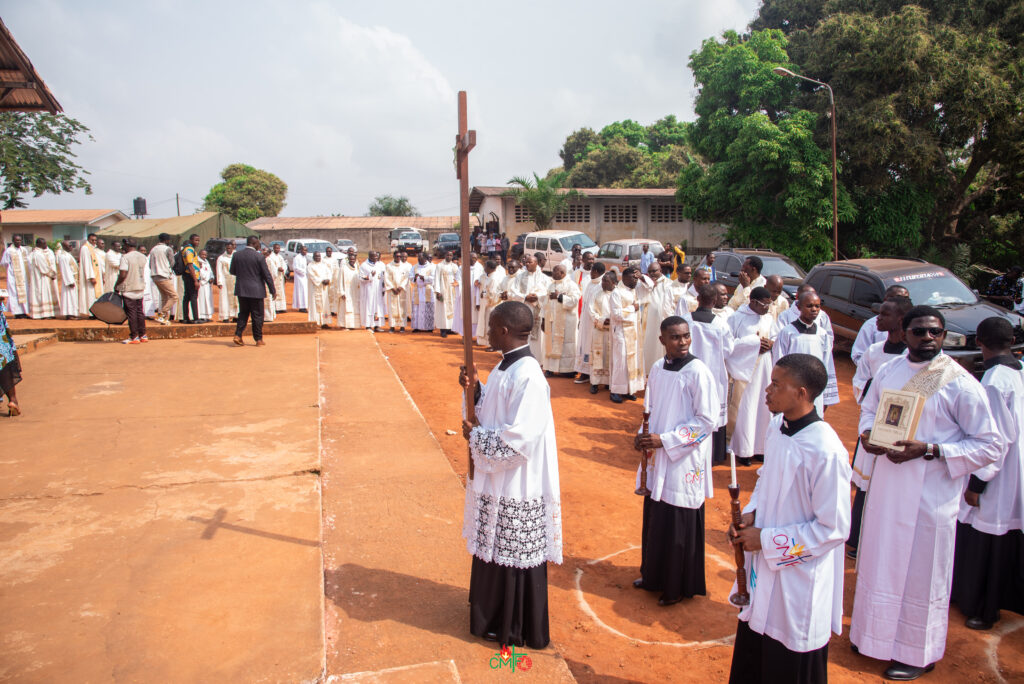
[(412, 240), (292, 248), (851, 291), (515, 248), (618, 254), (343, 244), (448, 242), (216, 246), (728, 262), (556, 244)]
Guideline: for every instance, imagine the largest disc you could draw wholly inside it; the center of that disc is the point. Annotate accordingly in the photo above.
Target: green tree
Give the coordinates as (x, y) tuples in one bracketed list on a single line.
[(36, 156), (929, 98), (247, 193), (577, 146), (633, 133), (544, 198), (764, 175), (389, 205), (668, 132)]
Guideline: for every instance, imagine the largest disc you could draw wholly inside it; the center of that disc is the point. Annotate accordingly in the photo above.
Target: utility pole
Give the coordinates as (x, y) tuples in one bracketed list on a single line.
[(177, 202)]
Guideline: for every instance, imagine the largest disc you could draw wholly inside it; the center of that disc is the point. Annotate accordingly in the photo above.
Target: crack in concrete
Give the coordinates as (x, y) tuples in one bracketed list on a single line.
[(158, 486)]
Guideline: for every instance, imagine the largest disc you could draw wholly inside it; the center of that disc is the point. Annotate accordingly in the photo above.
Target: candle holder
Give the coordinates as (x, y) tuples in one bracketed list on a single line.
[(741, 597)]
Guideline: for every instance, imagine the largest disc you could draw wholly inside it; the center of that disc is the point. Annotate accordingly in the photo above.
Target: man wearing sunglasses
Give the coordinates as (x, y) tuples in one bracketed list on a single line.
[(901, 604)]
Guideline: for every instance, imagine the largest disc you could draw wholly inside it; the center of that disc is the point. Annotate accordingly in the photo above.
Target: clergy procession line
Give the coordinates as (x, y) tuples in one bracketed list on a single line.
[(742, 377), (754, 365)]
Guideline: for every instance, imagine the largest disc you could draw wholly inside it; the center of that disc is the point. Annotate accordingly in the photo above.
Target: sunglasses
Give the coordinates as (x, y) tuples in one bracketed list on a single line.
[(921, 332)]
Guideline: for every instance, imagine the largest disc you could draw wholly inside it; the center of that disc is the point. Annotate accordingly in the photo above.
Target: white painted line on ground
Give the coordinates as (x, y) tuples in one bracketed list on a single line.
[(371, 675), (585, 607)]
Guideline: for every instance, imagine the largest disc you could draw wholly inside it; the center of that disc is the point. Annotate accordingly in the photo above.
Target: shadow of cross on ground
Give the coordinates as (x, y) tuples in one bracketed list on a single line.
[(217, 522)]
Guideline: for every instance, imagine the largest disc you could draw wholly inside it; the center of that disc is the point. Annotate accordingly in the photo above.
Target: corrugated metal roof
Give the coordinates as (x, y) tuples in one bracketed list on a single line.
[(56, 216), (21, 88), (328, 222), (479, 192)]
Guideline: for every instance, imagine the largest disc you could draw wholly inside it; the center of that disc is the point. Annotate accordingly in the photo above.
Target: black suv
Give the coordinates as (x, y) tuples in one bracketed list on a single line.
[(728, 262), (448, 242), (851, 291), (515, 248), (217, 246)]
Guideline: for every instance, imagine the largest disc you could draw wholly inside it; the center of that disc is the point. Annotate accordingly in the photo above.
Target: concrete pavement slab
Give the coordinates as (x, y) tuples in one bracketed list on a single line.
[(160, 515)]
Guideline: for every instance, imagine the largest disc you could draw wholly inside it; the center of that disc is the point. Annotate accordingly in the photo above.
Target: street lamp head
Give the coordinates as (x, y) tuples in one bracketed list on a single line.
[(783, 71)]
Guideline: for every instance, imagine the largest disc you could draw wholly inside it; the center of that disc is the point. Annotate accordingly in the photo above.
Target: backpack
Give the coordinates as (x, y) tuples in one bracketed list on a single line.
[(179, 264)]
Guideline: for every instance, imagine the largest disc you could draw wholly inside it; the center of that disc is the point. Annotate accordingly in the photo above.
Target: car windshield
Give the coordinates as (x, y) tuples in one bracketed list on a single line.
[(409, 236), (345, 242), (936, 288), (318, 246), (580, 239), (781, 268), (448, 237)]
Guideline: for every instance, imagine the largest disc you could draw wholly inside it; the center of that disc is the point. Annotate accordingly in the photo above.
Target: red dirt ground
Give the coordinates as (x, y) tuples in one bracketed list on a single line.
[(602, 533)]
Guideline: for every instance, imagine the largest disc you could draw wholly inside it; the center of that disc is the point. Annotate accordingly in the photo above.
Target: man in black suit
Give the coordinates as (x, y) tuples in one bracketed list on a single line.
[(252, 281)]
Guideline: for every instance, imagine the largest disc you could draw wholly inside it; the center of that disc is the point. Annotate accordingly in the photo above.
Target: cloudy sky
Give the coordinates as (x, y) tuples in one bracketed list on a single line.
[(348, 100)]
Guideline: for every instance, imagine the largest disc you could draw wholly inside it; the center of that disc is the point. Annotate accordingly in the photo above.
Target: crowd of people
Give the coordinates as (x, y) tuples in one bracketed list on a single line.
[(936, 515), (740, 377)]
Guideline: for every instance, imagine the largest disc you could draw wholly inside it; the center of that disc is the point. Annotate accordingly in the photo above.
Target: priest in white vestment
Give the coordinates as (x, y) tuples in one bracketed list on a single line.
[(371, 300), (750, 367), (627, 357), (269, 307), (349, 292), (560, 322), (531, 287), (446, 287), (513, 519), (901, 604), (67, 281), (421, 292), (683, 404), (42, 281), (91, 265), (711, 342), (300, 287), (204, 295), (780, 302), (601, 336), (318, 275), (659, 303), (396, 287), (987, 571), (277, 266), (869, 333), (591, 289), (113, 266), (15, 259), (750, 277), (803, 336), (227, 302), (792, 531), (490, 297), (476, 271), (722, 308)]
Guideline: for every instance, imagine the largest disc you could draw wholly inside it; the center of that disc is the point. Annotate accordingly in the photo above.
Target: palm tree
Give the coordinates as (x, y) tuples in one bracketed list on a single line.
[(544, 198)]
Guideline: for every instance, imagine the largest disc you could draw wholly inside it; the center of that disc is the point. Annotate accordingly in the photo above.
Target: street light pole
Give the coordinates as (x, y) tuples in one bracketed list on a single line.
[(782, 71)]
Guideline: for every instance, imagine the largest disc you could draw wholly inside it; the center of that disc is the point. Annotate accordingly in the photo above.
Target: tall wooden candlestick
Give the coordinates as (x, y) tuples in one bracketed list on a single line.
[(642, 490), (741, 597)]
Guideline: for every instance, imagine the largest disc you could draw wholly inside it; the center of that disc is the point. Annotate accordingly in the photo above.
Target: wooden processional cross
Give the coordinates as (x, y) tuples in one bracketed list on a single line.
[(464, 142)]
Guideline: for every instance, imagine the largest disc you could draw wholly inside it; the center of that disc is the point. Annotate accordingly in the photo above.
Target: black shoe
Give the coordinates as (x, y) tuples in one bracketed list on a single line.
[(639, 583), (898, 672), (548, 374), (668, 602), (490, 636), (851, 554), (743, 461), (617, 398), (978, 623), (593, 389), (759, 458), (630, 397), (444, 333), (853, 647)]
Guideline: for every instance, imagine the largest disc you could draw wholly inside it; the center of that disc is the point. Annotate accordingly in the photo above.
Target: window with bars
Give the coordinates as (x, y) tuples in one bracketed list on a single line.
[(575, 213), (666, 213), (620, 213), (523, 215)]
